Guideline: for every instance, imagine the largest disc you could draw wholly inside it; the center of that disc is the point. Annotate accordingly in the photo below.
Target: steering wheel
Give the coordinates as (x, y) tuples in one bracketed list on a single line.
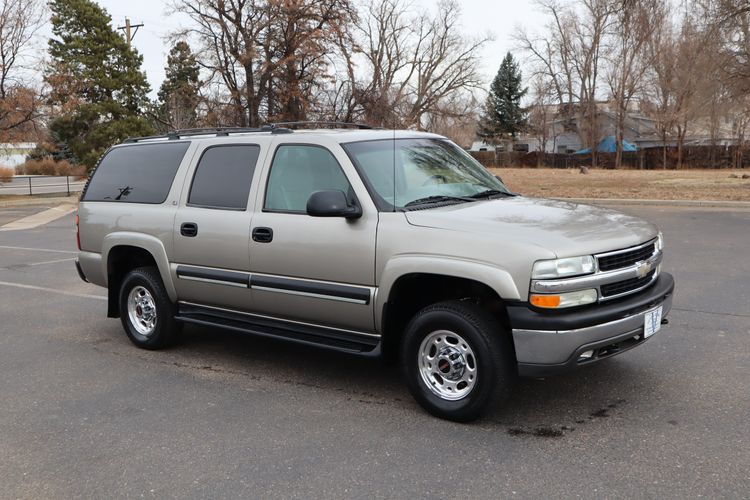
[(434, 178)]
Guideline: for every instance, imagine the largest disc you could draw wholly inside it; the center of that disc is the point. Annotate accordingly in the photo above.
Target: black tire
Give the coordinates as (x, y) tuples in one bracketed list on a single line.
[(490, 351), (166, 329)]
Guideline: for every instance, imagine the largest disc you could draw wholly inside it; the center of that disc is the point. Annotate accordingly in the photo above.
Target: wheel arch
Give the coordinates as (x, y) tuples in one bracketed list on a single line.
[(421, 283), (125, 251)]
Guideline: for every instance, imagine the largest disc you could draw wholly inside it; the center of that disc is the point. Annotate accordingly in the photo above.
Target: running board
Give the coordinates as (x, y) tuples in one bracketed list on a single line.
[(302, 333)]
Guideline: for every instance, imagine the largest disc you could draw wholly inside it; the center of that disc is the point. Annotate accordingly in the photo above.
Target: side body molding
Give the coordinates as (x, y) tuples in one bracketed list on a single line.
[(494, 277), (149, 243)]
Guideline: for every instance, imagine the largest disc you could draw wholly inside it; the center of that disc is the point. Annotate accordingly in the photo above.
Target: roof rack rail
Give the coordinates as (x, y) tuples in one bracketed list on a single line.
[(361, 126), (274, 128), (189, 132)]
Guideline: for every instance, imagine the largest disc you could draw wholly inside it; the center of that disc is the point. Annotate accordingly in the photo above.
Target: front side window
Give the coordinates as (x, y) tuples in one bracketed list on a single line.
[(406, 172), (297, 172), (139, 173), (223, 176)]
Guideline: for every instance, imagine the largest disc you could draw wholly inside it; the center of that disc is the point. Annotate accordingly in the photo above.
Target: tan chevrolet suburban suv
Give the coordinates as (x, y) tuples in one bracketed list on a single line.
[(374, 242)]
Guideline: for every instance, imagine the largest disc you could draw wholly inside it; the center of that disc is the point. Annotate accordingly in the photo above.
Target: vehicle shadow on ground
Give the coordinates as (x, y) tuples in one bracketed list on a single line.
[(545, 408)]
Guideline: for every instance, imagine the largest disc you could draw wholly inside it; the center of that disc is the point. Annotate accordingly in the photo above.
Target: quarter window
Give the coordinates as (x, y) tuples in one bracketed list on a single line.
[(141, 173), (223, 176), (297, 172)]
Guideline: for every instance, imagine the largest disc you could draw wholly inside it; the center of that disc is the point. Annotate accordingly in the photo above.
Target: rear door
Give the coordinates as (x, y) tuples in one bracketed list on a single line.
[(318, 270), (212, 226)]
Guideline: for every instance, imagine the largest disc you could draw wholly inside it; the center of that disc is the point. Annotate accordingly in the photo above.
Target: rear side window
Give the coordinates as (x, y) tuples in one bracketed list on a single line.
[(141, 173), (223, 176)]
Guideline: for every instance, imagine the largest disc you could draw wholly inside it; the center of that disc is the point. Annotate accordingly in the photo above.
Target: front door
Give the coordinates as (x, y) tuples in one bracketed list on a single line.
[(212, 227), (317, 270)]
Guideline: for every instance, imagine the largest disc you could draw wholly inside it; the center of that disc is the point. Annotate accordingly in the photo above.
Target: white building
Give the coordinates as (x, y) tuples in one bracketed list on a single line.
[(563, 137), (14, 154)]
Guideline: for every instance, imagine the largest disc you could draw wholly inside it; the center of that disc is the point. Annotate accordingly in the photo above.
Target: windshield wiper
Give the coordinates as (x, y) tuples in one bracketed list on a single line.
[(490, 192), (437, 199)]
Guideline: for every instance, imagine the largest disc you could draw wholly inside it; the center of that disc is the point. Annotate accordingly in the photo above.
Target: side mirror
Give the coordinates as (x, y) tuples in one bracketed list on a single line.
[(332, 203), (499, 178)]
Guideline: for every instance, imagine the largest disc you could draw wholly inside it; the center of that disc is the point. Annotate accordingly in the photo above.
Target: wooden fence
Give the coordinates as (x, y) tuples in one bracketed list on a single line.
[(693, 157)]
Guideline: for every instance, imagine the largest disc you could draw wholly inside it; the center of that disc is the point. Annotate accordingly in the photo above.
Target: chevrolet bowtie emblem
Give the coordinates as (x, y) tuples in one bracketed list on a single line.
[(643, 268)]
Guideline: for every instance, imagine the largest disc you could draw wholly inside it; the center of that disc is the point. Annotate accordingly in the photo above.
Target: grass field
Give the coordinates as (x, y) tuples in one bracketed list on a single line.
[(630, 184)]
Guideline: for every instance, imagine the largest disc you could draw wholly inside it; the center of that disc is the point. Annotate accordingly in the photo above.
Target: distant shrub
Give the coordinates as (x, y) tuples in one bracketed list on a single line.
[(44, 166), (6, 174), (48, 166)]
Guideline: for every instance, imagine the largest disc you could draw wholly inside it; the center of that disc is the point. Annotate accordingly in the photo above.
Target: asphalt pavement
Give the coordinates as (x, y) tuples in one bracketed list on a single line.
[(85, 414)]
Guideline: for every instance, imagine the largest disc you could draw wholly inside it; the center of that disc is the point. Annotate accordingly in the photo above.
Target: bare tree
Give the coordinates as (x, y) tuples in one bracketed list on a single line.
[(456, 118), (226, 33), (694, 62), (541, 113), (659, 90), (729, 22), (382, 36), (629, 58), (408, 71), (589, 37), (269, 55), (448, 63), (741, 125), (302, 32), (551, 54), (570, 55), (19, 100)]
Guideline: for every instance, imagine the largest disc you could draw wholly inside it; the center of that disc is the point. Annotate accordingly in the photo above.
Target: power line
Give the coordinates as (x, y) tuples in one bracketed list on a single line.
[(127, 28)]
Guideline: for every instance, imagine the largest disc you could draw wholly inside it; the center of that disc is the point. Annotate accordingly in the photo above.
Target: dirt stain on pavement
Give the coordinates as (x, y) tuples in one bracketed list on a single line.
[(543, 432)]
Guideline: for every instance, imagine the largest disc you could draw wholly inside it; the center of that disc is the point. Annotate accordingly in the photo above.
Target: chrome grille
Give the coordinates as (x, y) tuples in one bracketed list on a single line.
[(627, 258), (629, 285)]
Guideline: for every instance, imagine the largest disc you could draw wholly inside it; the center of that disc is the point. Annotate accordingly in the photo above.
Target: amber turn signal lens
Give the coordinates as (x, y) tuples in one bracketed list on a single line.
[(548, 301), (567, 299)]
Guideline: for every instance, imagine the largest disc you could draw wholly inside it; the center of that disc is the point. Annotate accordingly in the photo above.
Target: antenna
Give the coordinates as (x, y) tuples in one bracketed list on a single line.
[(394, 163)]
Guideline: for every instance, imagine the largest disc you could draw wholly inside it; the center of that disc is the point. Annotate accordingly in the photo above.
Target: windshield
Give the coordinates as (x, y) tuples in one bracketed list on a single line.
[(407, 172)]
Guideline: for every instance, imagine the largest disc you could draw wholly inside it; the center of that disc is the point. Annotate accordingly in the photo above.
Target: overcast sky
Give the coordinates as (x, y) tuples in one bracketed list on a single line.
[(498, 18)]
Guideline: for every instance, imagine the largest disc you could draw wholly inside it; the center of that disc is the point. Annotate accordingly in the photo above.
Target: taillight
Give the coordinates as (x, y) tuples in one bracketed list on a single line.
[(78, 232)]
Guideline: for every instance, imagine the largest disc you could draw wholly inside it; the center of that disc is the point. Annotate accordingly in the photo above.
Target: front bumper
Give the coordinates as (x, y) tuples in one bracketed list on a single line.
[(552, 342)]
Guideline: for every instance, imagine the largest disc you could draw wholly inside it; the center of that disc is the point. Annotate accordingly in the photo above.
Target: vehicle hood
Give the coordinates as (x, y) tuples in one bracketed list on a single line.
[(566, 229)]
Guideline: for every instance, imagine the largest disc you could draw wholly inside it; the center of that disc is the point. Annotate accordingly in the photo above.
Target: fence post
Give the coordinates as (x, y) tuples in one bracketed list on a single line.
[(67, 181), (29, 186)]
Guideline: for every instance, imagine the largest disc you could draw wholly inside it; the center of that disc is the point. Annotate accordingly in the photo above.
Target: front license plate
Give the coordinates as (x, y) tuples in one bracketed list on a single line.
[(652, 322)]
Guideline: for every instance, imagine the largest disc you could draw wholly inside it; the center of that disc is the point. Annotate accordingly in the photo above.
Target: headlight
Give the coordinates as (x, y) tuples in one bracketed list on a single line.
[(659, 242), (560, 300), (560, 268)]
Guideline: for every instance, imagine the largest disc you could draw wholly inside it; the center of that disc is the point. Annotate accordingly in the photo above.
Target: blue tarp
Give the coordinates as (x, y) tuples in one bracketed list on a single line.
[(609, 145)]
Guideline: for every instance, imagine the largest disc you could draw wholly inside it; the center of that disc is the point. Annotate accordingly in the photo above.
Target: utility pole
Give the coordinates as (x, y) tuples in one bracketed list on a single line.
[(127, 28)]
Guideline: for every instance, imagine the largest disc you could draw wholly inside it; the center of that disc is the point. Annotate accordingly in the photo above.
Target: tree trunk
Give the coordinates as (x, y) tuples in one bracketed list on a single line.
[(593, 134), (680, 142), (252, 98), (619, 137)]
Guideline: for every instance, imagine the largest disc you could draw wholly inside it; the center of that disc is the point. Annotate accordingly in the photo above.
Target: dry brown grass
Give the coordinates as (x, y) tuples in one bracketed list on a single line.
[(6, 174), (48, 166), (628, 184)]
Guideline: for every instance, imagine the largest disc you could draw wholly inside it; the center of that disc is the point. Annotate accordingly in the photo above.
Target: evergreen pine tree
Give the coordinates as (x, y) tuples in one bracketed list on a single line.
[(96, 82), (503, 115), (178, 94)]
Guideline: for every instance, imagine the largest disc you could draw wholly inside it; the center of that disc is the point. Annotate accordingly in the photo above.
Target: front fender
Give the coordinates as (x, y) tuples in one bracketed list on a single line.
[(151, 244), (494, 277)]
